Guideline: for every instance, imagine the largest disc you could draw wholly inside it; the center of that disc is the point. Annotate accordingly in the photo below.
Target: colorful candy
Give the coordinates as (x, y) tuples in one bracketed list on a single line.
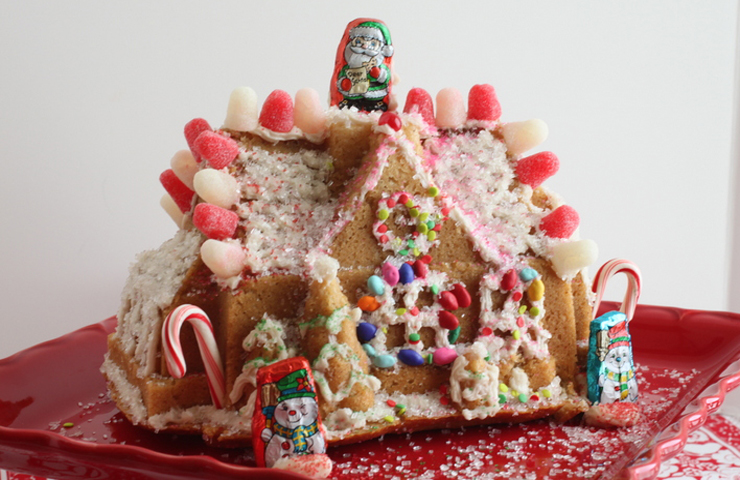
[(420, 269), (561, 222), (405, 274), (366, 331), (509, 280), (384, 361), (448, 301), (448, 320), (241, 114), (185, 167), (179, 192), (453, 335), (391, 119), (225, 260), (277, 112), (483, 104), (461, 295), (444, 356), (368, 304), (308, 115), (217, 149), (450, 108), (537, 168), (390, 274), (410, 357), (369, 350), (193, 129), (536, 290), (528, 274), (419, 101), (172, 348), (523, 136), (215, 222), (216, 187), (376, 285)]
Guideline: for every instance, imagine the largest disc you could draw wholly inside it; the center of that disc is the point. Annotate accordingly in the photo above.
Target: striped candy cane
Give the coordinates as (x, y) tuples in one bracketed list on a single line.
[(613, 267), (206, 344)]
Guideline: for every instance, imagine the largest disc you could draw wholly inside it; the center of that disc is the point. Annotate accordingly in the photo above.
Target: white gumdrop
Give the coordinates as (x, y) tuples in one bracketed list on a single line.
[(216, 187), (450, 108), (523, 136), (568, 258), (243, 110), (224, 259), (185, 167), (172, 209), (308, 114)]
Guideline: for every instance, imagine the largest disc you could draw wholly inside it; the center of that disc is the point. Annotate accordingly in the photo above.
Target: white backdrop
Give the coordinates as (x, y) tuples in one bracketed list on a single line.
[(94, 95)]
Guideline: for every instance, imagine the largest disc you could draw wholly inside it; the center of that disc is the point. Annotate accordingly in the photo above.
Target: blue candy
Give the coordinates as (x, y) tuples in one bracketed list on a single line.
[(384, 361), (375, 284), (406, 274), (528, 274), (369, 350), (366, 331), (411, 357)]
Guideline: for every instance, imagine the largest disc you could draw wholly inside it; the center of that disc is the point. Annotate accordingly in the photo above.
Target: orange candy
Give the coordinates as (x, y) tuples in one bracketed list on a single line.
[(368, 304)]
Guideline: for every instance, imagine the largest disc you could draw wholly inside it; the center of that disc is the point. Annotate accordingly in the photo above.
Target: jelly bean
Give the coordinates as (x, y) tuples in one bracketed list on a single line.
[(537, 168), (410, 357), (444, 356), (185, 167), (217, 149), (369, 350), (420, 269), (419, 101), (366, 331), (536, 290), (224, 259), (448, 301), (448, 320), (375, 284), (522, 136), (215, 222), (179, 192), (461, 295), (560, 223), (405, 274), (509, 280), (570, 257), (486, 331), (483, 103), (516, 296), (368, 304), (384, 361), (193, 129), (453, 335), (277, 112), (528, 274), (216, 187), (450, 108), (391, 119), (241, 114), (309, 115)]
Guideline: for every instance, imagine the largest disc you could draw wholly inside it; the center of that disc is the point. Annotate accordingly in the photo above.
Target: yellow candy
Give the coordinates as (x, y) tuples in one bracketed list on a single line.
[(503, 388), (431, 235), (536, 290)]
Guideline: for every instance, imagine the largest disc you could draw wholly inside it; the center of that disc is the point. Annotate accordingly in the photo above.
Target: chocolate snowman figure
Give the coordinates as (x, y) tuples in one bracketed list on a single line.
[(286, 420)]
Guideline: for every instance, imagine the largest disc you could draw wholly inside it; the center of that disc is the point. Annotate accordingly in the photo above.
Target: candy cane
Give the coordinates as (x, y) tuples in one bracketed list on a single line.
[(613, 267), (206, 344)]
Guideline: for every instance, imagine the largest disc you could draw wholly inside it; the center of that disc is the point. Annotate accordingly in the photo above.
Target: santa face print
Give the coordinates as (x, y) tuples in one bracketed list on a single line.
[(294, 412), (365, 45)]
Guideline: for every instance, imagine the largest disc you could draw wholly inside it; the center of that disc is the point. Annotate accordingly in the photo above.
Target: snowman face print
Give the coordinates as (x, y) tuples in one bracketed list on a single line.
[(295, 412)]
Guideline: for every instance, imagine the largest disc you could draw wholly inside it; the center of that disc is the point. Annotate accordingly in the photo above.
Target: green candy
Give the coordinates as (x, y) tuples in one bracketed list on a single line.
[(453, 335)]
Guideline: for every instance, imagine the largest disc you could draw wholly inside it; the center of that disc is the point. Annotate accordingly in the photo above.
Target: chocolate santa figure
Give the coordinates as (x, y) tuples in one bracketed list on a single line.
[(362, 72), (286, 419)]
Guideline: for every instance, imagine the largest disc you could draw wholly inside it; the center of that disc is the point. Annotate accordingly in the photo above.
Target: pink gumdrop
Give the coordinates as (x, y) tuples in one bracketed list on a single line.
[(215, 222), (217, 149), (277, 112), (193, 129), (560, 223), (179, 192), (391, 119), (444, 356), (390, 274), (537, 168), (450, 108), (419, 101), (483, 103)]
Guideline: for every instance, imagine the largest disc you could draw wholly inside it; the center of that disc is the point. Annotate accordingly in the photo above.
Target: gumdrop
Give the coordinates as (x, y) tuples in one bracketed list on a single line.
[(193, 129), (185, 167), (215, 222), (560, 223), (277, 112), (522, 136), (419, 101), (179, 192), (223, 259), (241, 114), (450, 108), (308, 115), (217, 149), (216, 187), (483, 103), (537, 168)]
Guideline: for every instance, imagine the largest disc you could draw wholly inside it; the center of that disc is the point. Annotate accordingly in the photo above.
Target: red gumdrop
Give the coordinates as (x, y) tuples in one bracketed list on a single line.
[(277, 112), (418, 100), (462, 295), (448, 320), (215, 222), (193, 129), (509, 280), (391, 119), (179, 192), (219, 150), (537, 168), (561, 222), (483, 103), (448, 301)]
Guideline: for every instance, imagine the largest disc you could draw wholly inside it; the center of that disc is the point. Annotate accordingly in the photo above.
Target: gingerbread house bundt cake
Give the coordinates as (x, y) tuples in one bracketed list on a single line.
[(412, 256)]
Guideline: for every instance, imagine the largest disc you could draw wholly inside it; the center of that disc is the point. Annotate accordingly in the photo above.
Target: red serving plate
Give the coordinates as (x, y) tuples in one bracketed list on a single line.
[(686, 361)]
